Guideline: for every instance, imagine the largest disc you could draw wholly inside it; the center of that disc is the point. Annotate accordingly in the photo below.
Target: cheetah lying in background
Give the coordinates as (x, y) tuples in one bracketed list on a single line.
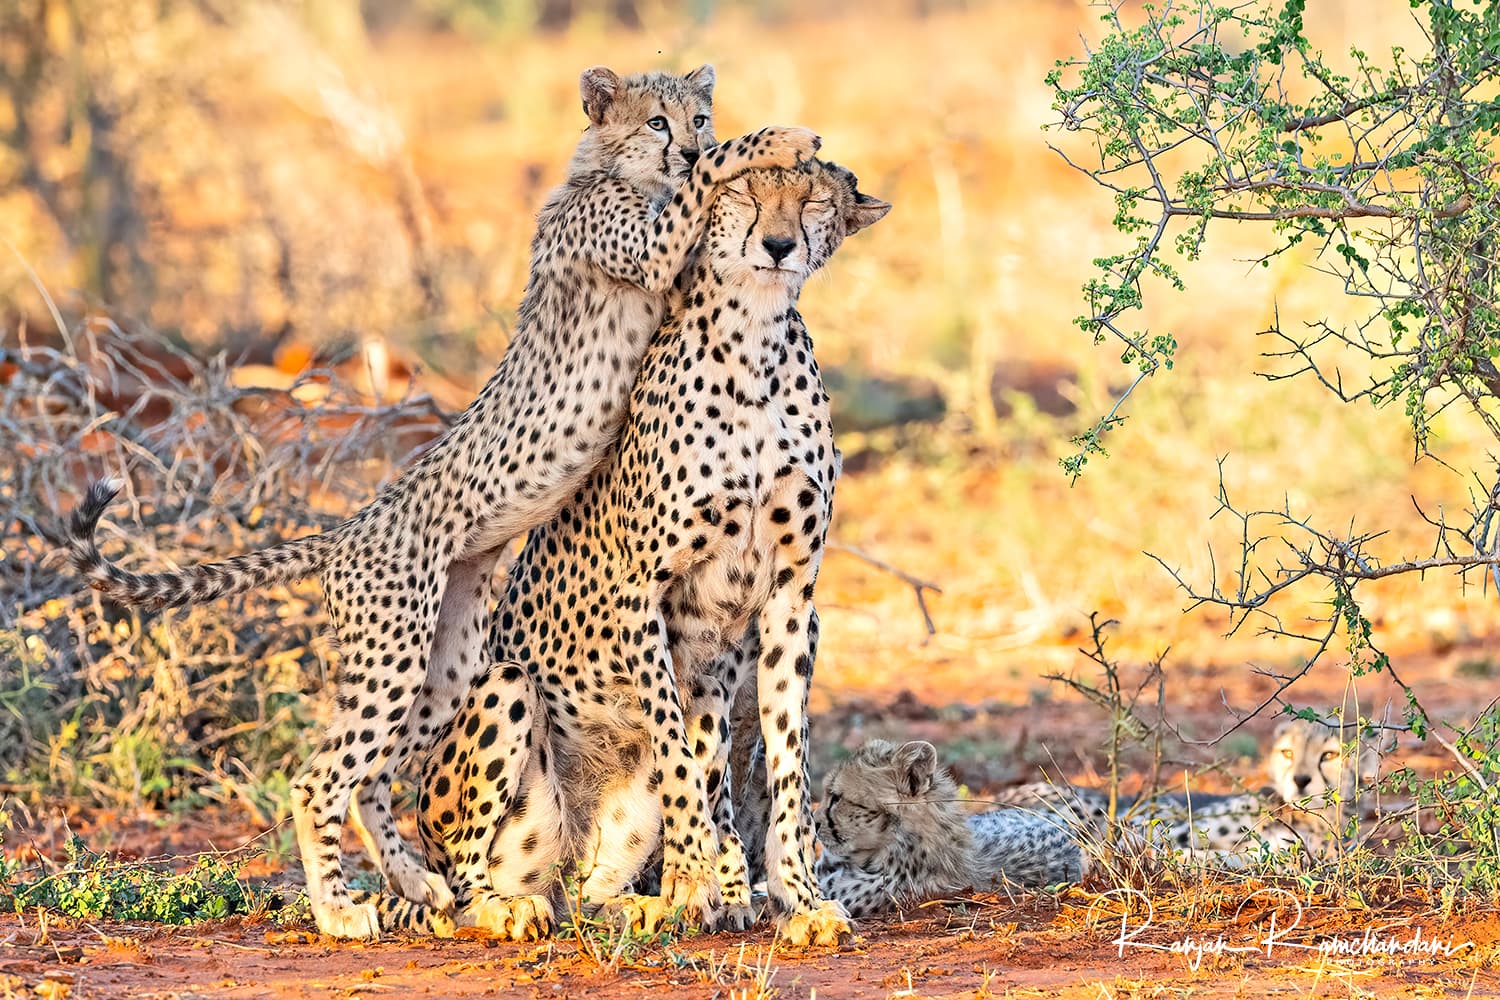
[(894, 834), (1308, 806), (682, 570), (407, 578)]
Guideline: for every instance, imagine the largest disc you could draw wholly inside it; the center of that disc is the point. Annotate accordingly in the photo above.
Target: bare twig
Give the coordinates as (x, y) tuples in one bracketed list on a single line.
[(917, 584), (1350, 210)]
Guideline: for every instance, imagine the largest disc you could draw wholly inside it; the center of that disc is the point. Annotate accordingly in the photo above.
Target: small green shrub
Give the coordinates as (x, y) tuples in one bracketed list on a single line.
[(93, 886)]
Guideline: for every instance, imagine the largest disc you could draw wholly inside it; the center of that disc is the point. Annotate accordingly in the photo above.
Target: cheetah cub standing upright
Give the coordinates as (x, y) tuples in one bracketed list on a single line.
[(894, 834), (684, 568), (407, 578)]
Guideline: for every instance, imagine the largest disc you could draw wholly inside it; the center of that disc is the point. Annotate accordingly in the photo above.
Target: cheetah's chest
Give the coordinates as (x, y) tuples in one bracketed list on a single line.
[(752, 505)]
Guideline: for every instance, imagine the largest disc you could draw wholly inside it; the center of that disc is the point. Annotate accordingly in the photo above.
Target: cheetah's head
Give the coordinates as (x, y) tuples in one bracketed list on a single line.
[(647, 128), (776, 226), (881, 790), (1307, 763)]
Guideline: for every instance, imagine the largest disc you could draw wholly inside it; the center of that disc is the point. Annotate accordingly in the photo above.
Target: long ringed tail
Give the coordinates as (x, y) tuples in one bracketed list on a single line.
[(402, 916), (281, 563)]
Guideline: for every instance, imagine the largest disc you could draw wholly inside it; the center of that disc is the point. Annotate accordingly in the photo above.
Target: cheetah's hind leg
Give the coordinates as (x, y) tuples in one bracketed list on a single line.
[(453, 667), (491, 804), (372, 820), (379, 644)]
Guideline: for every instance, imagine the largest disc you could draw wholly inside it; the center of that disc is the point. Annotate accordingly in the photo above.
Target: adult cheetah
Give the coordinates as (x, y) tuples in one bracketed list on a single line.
[(407, 578), (682, 567)]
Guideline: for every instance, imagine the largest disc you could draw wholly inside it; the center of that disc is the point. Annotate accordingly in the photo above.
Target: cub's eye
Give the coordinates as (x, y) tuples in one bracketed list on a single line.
[(658, 123), (1329, 755), (699, 121), (1287, 754)]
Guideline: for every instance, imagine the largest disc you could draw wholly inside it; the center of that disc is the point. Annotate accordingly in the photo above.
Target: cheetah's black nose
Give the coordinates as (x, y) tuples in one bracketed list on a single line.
[(1301, 781), (689, 154), (778, 247)]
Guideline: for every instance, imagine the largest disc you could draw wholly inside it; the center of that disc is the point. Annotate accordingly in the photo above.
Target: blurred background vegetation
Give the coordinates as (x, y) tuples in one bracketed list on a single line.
[(269, 186)]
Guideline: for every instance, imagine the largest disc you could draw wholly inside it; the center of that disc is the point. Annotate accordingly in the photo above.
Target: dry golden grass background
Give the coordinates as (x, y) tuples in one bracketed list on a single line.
[(287, 137)]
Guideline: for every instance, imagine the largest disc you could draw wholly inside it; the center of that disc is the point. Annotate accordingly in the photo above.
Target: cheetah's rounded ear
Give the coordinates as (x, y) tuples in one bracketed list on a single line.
[(599, 86), (865, 211), (703, 78), (916, 763)]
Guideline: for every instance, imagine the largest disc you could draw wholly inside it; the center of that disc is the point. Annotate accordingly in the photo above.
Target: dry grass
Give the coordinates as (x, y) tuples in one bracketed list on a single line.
[(130, 708)]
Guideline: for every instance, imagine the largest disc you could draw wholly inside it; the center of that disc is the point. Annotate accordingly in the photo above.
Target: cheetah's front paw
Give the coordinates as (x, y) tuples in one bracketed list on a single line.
[(783, 146), (519, 918), (736, 917), (826, 927), (694, 888), (347, 919)]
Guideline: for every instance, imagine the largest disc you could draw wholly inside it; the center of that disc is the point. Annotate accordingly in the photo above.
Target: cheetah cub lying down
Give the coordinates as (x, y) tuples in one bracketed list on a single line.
[(682, 570), (1308, 806), (407, 578), (894, 834)]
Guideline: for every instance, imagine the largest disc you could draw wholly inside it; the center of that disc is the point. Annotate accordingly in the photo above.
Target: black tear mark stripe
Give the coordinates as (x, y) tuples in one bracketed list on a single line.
[(666, 152), (745, 243)]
